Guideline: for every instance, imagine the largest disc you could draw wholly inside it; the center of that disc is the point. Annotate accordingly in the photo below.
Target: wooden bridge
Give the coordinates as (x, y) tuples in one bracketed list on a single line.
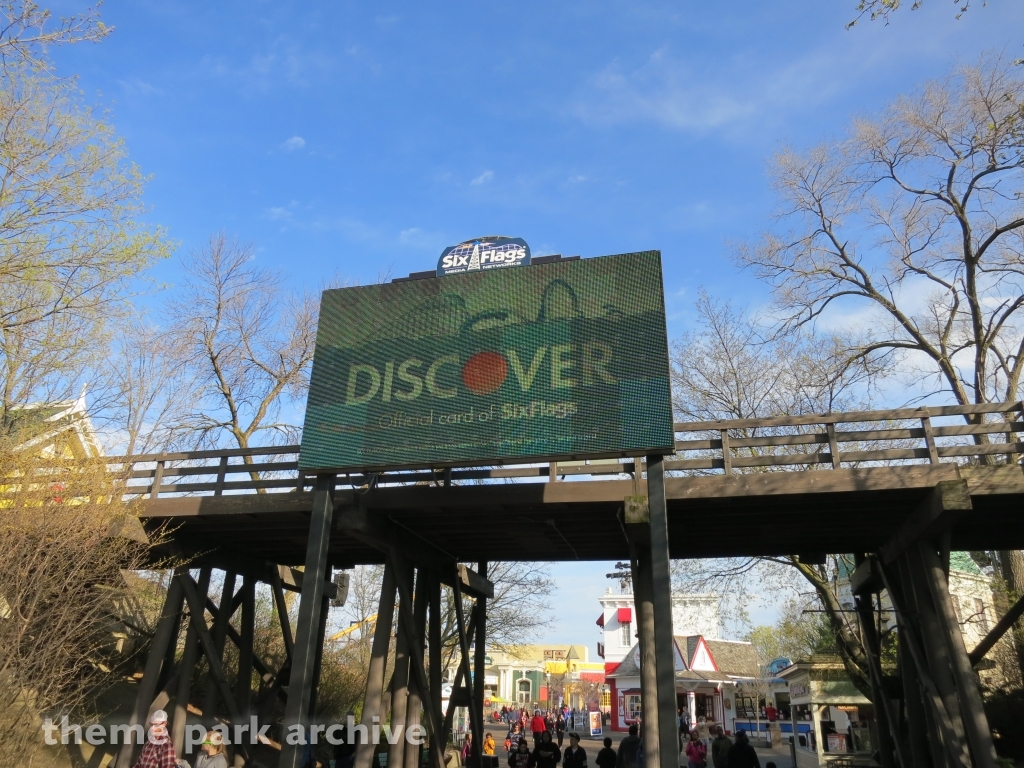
[(896, 488), (809, 484)]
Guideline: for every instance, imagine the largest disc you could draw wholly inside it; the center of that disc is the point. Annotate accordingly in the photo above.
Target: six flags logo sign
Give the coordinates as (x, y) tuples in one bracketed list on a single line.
[(492, 252)]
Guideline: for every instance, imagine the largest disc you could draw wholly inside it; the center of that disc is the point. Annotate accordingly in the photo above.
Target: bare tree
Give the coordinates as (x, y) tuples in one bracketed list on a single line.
[(250, 343), (139, 397), (916, 217), (61, 591), (731, 368)]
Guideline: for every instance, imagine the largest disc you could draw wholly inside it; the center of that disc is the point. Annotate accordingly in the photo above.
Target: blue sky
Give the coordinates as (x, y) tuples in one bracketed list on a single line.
[(345, 138)]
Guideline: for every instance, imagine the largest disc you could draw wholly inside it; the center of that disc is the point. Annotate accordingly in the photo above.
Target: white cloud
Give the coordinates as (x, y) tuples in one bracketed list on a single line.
[(294, 143), (282, 212), (683, 94), (136, 87), (483, 178)]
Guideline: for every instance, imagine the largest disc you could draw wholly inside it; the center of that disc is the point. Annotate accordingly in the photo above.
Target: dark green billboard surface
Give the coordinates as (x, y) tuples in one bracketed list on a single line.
[(567, 359)]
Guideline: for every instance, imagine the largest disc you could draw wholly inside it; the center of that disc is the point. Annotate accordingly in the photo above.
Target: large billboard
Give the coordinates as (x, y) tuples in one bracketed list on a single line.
[(550, 361)]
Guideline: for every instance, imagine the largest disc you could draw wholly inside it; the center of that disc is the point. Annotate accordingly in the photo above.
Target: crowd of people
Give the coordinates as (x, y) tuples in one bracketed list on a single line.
[(547, 729)]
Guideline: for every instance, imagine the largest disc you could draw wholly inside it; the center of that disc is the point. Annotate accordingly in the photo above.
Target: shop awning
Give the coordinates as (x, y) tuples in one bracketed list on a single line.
[(625, 615), (600, 620)]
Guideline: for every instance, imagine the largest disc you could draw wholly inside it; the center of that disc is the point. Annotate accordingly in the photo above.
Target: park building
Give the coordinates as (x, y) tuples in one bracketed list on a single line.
[(542, 676), (709, 671)]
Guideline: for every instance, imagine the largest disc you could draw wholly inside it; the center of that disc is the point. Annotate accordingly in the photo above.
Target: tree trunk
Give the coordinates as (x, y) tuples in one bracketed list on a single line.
[(1011, 564)]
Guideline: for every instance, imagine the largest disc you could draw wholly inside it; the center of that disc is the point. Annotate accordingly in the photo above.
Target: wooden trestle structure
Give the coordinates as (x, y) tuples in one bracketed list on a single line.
[(896, 488)]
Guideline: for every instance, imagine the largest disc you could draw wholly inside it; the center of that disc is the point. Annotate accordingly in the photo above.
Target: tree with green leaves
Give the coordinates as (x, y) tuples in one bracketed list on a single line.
[(71, 241)]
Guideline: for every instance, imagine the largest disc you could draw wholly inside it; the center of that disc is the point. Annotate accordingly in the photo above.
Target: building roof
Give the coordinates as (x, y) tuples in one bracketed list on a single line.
[(963, 562), (734, 658), (46, 428)]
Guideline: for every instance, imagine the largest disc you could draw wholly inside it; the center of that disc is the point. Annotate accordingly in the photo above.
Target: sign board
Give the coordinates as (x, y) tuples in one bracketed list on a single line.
[(595, 724), (482, 253), (561, 360)]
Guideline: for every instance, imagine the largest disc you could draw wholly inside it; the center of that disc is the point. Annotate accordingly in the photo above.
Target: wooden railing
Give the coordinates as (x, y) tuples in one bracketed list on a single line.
[(906, 435), (785, 443)]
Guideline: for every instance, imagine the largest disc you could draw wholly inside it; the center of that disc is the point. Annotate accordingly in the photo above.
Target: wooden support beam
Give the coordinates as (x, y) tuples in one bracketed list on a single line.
[(199, 554), (291, 579), (400, 676), (408, 623), (318, 666), (480, 660), (417, 695), (664, 643), (157, 651), (889, 754), (198, 622), (475, 707), (304, 656), (221, 623), (277, 587), (866, 579), (383, 535), (944, 736), (243, 681), (951, 733), (186, 671), (643, 603), (947, 501), (378, 663), (433, 695), (968, 695), (232, 634), (994, 634)]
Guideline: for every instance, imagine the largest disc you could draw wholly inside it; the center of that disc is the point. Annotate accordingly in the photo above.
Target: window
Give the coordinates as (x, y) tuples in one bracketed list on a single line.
[(979, 608), (632, 706), (956, 608), (627, 636)]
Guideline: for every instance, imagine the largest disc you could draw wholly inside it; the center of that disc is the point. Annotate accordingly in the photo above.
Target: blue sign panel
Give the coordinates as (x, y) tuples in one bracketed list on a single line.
[(481, 253)]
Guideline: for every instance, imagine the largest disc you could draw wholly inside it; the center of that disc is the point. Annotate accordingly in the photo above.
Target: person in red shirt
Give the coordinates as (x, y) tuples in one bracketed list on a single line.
[(537, 727), (772, 712), (158, 751)]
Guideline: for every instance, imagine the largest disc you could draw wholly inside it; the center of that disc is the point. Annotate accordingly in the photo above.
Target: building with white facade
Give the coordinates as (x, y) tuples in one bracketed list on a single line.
[(700, 681), (691, 615), (709, 675)]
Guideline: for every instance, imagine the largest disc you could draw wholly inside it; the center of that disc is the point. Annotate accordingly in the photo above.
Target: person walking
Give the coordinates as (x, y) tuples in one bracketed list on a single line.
[(467, 747), (606, 757), (547, 754), (559, 727), (158, 751), (720, 748), (515, 735), (537, 727), (521, 757), (214, 754), (575, 756), (685, 722), (696, 752), (629, 750), (742, 754)]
